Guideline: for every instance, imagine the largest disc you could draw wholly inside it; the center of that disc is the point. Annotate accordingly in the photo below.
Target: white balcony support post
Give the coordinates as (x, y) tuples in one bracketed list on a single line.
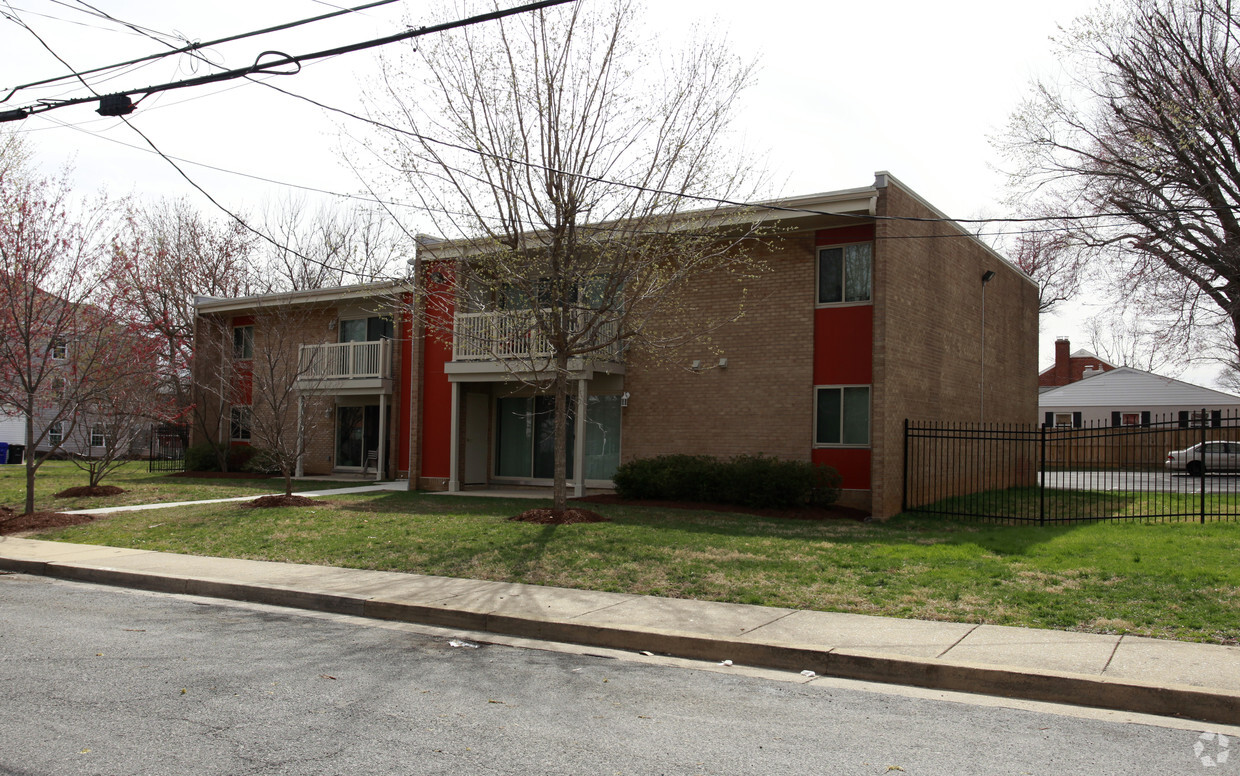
[(301, 429), (381, 465), (454, 475), (579, 443)]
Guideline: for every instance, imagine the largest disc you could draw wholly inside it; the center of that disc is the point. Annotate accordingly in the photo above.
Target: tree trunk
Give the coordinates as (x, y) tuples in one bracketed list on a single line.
[(29, 453), (560, 489)]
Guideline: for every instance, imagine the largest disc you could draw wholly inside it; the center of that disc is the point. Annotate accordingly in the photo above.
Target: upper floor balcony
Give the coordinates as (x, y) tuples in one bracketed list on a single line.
[(345, 367), (483, 342)]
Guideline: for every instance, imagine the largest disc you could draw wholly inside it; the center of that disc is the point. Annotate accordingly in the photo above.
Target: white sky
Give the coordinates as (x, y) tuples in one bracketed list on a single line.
[(844, 90)]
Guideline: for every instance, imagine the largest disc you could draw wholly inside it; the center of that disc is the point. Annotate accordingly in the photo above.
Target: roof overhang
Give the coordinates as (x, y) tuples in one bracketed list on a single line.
[(206, 304)]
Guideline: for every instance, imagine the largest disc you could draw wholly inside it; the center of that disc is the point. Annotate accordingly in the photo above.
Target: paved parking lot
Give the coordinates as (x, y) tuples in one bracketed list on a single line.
[(1147, 481)]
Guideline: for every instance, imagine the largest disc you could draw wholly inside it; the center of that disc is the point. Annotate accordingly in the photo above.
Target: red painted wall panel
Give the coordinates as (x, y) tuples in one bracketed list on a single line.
[(436, 392), (853, 464), (401, 399)]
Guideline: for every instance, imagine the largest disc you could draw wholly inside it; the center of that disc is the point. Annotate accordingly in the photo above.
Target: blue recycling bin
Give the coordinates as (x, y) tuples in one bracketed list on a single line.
[(4, 452)]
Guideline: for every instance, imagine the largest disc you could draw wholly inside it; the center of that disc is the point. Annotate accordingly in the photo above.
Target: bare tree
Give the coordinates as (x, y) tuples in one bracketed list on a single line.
[(573, 170), (1137, 146), (115, 418), (329, 246), (1127, 339)]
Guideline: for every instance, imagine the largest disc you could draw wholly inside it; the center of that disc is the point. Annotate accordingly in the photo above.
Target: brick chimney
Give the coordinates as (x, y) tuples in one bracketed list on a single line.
[(1063, 358)]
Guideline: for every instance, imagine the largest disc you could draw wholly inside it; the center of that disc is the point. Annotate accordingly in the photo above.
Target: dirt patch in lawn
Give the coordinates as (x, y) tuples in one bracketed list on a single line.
[(792, 513), (263, 502), (223, 475), (90, 490), (12, 523), (559, 517)]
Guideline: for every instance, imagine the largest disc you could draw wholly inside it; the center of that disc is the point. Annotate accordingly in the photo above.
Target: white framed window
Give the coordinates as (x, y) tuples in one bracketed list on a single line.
[(372, 329), (243, 342), (1063, 420), (240, 418), (97, 438), (59, 348), (844, 273), (842, 415), (1131, 419), (56, 433)]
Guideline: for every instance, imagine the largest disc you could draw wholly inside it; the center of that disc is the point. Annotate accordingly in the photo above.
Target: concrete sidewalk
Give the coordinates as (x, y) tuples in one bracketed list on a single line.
[(393, 485), (1152, 676)]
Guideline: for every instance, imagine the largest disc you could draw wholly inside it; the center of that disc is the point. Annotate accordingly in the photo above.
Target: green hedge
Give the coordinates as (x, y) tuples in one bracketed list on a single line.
[(241, 458), (747, 480)]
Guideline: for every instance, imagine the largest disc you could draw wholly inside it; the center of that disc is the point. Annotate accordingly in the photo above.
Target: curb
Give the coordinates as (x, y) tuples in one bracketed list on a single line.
[(1168, 700)]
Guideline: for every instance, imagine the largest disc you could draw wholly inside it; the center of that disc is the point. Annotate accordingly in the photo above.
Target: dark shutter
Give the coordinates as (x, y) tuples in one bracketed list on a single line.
[(1050, 419), (1116, 419), (1145, 418), (1076, 420), (1216, 418), (1183, 418)]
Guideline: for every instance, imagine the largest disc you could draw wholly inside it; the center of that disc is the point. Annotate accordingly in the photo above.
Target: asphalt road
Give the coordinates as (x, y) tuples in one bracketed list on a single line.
[(97, 680), (1147, 481)]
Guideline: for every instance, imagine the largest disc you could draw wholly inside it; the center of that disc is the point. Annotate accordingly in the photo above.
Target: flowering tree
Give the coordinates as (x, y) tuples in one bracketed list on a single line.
[(59, 328)]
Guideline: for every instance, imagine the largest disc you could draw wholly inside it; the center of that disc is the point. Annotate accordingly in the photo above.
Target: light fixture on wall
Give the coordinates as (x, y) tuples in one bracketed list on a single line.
[(723, 363), (331, 325), (696, 365), (624, 399)]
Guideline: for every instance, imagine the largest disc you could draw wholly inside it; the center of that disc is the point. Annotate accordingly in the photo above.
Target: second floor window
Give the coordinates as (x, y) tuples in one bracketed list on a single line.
[(844, 273), (373, 329), (243, 342), (59, 348), (56, 433)]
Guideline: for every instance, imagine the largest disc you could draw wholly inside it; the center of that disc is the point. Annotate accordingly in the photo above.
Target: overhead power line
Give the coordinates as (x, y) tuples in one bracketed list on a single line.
[(192, 47), (121, 103)]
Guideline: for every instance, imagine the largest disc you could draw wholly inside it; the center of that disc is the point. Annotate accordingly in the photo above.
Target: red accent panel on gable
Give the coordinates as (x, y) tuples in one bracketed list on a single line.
[(436, 393), (853, 464), (845, 234), (844, 345)]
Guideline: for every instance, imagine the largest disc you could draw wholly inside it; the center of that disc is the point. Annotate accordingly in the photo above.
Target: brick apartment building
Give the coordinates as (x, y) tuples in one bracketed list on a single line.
[(929, 324)]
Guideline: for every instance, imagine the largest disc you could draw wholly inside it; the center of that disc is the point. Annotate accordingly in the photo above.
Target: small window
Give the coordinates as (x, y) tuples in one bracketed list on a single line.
[(96, 436), (373, 329), (243, 342), (1132, 418), (842, 416), (59, 348), (844, 274), (56, 433), (239, 423), (1063, 420)]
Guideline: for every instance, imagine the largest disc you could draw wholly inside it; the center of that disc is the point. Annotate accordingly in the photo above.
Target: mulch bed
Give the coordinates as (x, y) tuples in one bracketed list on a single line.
[(792, 513), (90, 490), (11, 522), (559, 517), (263, 502)]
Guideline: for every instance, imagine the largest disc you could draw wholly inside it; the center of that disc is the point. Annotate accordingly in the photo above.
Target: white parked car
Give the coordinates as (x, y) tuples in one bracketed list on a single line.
[(1218, 456)]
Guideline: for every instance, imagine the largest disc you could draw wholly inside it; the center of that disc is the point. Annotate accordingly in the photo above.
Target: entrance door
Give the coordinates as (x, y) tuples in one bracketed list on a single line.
[(477, 437), (357, 434)]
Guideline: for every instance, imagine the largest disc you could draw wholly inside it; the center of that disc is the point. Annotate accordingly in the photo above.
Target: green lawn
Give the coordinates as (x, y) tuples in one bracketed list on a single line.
[(141, 486), (1169, 580)]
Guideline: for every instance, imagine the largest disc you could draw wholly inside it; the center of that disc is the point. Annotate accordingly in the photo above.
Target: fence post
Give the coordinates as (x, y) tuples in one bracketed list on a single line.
[(1203, 466), (1042, 477), (904, 490)]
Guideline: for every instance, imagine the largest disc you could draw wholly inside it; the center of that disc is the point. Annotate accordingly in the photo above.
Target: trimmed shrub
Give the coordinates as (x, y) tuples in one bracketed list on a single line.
[(747, 480), (203, 457)]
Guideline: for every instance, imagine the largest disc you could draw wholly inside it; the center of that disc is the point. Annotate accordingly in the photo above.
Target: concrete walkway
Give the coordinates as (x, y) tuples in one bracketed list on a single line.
[(1169, 678), (394, 485)]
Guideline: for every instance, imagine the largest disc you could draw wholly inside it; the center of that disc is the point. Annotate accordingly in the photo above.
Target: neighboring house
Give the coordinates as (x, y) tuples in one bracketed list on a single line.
[(1070, 367), (1124, 396), (930, 324)]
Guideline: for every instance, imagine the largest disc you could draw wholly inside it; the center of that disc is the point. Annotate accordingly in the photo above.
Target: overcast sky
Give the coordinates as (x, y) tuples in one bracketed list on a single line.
[(844, 90)]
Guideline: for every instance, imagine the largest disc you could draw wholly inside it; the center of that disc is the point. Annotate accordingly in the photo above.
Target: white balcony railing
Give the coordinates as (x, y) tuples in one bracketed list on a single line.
[(345, 360), (513, 335)]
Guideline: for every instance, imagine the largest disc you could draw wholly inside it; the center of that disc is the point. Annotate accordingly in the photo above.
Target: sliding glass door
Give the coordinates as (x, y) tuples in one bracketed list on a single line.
[(525, 437)]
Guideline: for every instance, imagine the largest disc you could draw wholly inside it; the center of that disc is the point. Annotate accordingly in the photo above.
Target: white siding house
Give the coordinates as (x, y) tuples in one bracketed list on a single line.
[(1131, 397)]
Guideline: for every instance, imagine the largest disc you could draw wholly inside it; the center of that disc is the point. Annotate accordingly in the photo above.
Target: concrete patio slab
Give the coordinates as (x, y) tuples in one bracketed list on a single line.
[(840, 630), (1081, 653)]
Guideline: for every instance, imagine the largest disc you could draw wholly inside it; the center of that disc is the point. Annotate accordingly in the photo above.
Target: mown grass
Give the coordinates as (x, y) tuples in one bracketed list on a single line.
[(141, 487), (1168, 580)]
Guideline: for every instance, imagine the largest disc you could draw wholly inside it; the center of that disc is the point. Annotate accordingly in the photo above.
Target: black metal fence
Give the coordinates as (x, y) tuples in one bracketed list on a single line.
[(167, 453), (1171, 468)]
